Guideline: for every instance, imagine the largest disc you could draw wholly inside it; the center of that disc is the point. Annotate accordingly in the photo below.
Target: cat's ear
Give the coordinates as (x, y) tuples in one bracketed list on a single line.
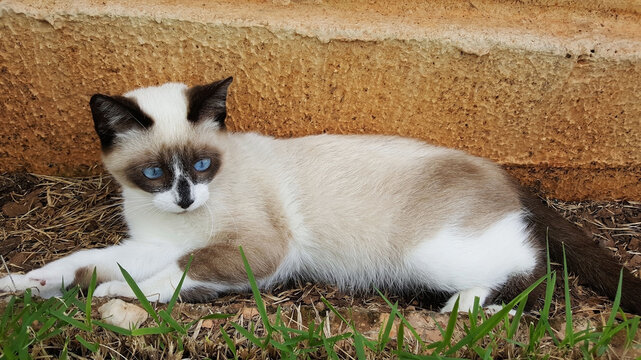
[(113, 115), (208, 102)]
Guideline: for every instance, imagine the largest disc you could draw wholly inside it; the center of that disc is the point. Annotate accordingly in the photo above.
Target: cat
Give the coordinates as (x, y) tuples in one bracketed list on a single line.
[(360, 212)]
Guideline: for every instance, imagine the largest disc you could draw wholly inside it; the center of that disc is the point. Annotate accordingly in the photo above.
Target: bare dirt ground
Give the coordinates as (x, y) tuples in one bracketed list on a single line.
[(43, 218)]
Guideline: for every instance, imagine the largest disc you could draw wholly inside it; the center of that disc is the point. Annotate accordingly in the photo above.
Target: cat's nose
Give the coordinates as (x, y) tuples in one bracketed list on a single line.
[(184, 193), (185, 202)]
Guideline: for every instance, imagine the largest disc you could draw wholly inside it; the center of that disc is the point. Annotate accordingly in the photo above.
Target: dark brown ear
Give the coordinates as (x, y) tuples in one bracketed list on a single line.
[(208, 102), (113, 115)]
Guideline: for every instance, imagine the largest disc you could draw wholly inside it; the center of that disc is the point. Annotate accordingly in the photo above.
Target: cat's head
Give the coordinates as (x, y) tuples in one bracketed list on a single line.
[(160, 142)]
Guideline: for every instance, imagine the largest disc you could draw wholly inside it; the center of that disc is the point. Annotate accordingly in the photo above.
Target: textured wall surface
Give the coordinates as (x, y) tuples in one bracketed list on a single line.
[(550, 89)]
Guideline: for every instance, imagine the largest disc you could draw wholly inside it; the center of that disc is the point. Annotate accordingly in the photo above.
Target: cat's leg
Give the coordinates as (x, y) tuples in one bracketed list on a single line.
[(140, 260), (466, 299), (213, 269)]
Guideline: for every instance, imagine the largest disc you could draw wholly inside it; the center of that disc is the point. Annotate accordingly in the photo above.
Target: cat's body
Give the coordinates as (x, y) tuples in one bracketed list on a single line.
[(356, 211)]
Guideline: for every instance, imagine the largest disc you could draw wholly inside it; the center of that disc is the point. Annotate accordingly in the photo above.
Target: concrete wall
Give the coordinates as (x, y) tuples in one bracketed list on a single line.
[(550, 89)]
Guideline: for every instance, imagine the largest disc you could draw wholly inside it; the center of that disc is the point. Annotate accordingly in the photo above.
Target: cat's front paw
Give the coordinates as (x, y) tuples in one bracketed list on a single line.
[(40, 285), (114, 289), (117, 288), (12, 283)]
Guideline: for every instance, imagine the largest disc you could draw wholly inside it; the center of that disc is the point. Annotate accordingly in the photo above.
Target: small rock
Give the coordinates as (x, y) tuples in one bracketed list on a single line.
[(119, 313), (635, 244), (207, 324)]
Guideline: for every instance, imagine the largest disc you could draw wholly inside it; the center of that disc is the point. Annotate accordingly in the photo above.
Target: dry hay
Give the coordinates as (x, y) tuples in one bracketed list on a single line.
[(44, 218)]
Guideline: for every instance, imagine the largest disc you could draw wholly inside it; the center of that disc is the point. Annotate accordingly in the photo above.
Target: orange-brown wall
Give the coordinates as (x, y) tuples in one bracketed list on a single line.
[(550, 89)]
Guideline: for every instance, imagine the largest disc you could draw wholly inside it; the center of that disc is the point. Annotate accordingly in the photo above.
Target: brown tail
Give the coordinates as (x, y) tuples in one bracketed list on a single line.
[(593, 264)]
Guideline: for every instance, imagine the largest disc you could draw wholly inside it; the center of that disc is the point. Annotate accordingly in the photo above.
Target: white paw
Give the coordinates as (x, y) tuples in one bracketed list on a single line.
[(114, 288), (493, 309), (12, 283), (43, 286), (466, 300)]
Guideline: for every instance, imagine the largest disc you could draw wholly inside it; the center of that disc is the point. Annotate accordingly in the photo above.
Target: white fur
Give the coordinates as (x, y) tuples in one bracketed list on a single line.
[(482, 260), (343, 200), (167, 106)]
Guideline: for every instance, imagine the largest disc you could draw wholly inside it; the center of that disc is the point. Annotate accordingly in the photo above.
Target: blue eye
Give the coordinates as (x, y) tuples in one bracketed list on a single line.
[(202, 164), (152, 172)]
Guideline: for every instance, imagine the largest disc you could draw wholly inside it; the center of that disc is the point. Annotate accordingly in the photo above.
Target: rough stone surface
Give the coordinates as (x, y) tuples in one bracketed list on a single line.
[(551, 89)]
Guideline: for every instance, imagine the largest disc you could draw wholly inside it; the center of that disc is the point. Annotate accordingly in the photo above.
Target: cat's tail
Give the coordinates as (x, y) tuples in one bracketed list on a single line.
[(594, 265)]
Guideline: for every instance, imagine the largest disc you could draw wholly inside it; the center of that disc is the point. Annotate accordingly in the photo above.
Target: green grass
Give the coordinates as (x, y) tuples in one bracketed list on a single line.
[(27, 322)]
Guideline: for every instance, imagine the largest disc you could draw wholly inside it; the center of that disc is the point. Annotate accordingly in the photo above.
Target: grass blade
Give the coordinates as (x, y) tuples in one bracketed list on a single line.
[(569, 329), (230, 343), (260, 305), (451, 324), (404, 321), (144, 302), (7, 314), (359, 346), (71, 321), (329, 348), (400, 337), (383, 337), (152, 331), (249, 336), (516, 320), (63, 353), (92, 287), (114, 328), (172, 322), (474, 335), (176, 294), (93, 347), (617, 301)]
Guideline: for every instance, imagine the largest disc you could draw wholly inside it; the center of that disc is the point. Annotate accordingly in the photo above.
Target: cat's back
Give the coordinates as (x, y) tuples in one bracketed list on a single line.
[(388, 184), (391, 165)]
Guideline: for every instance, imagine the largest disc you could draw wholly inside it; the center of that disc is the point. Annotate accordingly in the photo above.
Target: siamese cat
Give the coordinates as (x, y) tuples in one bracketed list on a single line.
[(356, 211)]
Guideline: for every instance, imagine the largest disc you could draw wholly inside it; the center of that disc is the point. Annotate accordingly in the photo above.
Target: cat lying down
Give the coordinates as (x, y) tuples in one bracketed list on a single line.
[(356, 211)]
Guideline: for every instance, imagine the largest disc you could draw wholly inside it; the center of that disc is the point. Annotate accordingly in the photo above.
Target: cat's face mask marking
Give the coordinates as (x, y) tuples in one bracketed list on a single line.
[(164, 148), (177, 178)]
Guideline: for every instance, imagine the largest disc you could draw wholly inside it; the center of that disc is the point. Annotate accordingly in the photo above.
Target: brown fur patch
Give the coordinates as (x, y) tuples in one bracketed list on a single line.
[(264, 245), (222, 262), (455, 187), (82, 277)]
